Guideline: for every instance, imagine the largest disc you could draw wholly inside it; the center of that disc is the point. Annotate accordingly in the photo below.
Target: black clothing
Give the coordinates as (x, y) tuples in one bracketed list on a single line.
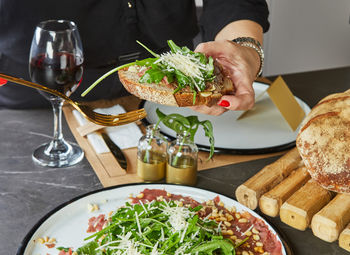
[(109, 30)]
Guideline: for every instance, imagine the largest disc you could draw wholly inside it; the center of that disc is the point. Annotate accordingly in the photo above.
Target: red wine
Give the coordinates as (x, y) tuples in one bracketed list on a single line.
[(62, 72)]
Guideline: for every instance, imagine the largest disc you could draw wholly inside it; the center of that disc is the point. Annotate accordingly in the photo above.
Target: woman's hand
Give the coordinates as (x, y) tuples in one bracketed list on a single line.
[(241, 64)]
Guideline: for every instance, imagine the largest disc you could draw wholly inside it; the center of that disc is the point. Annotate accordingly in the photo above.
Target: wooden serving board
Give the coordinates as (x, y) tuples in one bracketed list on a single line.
[(107, 168)]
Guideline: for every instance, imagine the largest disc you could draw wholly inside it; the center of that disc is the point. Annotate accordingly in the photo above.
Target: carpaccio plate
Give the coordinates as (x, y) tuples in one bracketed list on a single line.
[(68, 222)]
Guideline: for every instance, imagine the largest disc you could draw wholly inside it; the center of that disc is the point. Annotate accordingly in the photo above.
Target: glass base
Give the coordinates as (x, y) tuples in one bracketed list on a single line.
[(67, 155)]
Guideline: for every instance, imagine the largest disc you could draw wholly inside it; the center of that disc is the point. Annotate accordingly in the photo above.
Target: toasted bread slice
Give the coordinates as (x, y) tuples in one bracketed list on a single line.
[(162, 93)]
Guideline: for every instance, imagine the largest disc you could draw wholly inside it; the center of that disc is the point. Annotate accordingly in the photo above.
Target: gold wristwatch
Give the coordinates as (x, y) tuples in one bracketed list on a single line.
[(254, 44)]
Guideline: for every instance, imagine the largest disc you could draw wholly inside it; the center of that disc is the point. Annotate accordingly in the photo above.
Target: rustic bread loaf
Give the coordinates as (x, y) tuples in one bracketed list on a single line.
[(162, 93), (324, 142)]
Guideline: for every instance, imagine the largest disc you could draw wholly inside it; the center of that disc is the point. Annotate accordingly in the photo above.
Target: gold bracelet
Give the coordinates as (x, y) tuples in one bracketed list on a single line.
[(254, 44)]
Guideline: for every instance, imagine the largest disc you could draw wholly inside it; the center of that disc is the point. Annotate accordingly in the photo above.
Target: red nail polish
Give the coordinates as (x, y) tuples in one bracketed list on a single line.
[(224, 103), (2, 81)]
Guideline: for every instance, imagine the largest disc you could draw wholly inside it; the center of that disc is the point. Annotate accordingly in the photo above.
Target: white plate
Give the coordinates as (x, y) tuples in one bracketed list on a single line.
[(264, 128), (68, 223)]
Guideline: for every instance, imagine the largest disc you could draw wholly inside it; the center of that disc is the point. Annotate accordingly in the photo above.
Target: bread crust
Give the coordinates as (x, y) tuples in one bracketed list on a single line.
[(163, 94), (324, 142), (158, 94)]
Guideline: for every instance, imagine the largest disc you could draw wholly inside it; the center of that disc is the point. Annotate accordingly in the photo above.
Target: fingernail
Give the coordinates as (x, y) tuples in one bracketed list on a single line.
[(2, 81), (224, 103)]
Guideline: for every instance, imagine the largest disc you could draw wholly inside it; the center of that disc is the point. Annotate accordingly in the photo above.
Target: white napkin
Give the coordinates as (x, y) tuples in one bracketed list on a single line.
[(125, 136)]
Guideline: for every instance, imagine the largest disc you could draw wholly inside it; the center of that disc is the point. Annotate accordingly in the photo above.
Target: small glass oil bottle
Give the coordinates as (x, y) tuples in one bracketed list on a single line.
[(151, 155), (182, 161)]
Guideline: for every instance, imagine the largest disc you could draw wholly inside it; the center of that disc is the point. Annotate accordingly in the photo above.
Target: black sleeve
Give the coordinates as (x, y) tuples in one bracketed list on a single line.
[(218, 13)]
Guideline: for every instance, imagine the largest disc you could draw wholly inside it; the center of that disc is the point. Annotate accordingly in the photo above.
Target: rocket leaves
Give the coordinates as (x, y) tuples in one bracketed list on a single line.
[(180, 123)]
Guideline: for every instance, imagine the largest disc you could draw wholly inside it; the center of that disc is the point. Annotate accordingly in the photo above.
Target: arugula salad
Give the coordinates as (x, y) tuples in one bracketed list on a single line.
[(157, 227), (180, 64)]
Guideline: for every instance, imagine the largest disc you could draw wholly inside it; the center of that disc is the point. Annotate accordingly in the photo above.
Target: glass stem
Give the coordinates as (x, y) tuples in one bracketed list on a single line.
[(57, 111), (58, 144)]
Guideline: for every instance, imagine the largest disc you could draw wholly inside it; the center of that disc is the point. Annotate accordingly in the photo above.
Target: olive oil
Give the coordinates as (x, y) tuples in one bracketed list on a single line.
[(154, 167), (185, 171), (151, 155)]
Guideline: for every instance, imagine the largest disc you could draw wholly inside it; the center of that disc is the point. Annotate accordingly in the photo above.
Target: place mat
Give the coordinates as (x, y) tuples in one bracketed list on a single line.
[(106, 166)]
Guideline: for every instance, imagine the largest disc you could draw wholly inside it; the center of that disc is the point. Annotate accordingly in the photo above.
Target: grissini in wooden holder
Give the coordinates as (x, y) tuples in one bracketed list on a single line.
[(299, 209), (271, 201), (344, 238), (331, 220), (250, 192)]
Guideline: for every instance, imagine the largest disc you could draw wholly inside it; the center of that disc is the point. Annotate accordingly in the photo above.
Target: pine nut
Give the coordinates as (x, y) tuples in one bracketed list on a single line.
[(248, 233), (233, 237), (210, 202), (230, 232), (90, 207), (52, 240), (259, 249), (41, 240), (223, 219), (229, 217), (255, 231), (243, 220)]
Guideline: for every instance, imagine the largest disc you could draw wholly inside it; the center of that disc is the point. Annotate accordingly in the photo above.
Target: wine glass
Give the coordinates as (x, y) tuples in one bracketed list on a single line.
[(56, 59)]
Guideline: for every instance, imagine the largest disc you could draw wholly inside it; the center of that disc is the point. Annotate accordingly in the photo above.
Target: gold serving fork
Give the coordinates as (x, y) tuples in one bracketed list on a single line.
[(86, 110)]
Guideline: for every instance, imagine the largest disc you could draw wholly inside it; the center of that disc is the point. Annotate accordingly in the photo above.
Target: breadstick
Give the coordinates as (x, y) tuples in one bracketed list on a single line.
[(331, 220), (249, 192), (271, 201), (344, 238), (299, 209)]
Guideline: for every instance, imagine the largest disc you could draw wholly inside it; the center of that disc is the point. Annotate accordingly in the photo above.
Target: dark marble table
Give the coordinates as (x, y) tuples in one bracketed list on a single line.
[(28, 191)]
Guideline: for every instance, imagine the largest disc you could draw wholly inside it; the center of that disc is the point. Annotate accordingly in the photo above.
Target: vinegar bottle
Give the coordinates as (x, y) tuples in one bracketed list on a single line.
[(182, 161), (151, 155)]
